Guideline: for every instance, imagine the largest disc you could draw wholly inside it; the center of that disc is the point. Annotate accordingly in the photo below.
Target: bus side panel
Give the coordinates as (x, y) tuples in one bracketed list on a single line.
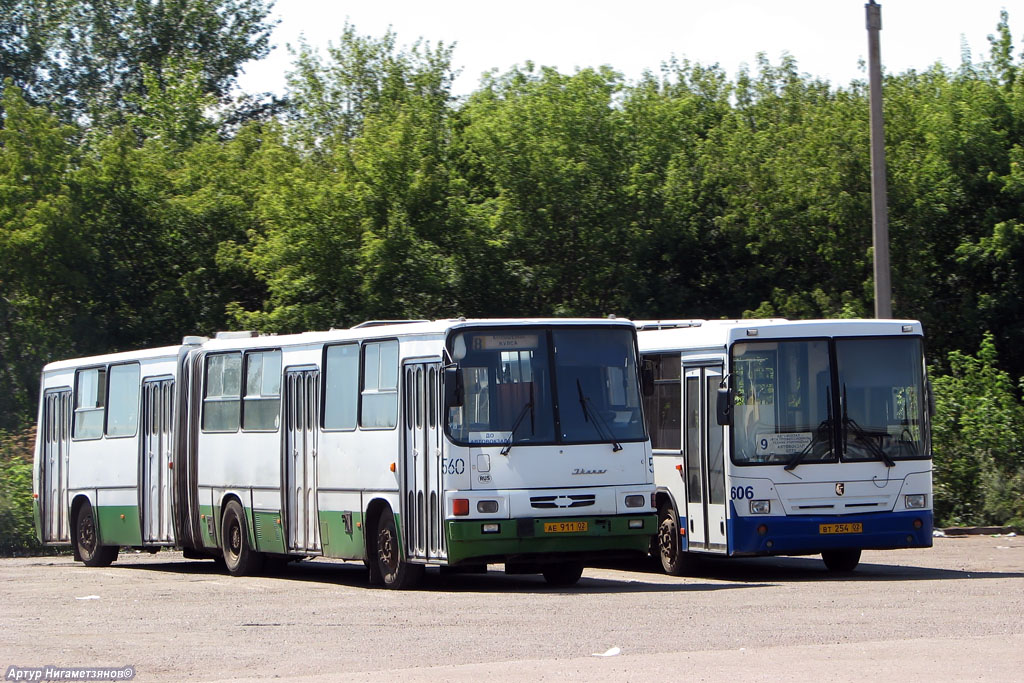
[(671, 483), (354, 469), (342, 525), (267, 529), (117, 514)]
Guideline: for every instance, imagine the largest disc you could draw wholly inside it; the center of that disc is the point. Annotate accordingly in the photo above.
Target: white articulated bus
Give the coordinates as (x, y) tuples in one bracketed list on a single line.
[(456, 443), (777, 437)]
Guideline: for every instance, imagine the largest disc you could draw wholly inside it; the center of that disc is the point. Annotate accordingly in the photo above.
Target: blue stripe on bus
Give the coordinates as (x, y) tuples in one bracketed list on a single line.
[(801, 534)]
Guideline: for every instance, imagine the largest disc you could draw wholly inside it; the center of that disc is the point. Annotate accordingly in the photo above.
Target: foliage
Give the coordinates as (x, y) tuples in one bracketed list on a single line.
[(17, 530), (978, 432), (142, 199)]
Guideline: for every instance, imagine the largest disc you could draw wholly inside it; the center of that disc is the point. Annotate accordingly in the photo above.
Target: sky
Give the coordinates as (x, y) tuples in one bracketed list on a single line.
[(828, 38)]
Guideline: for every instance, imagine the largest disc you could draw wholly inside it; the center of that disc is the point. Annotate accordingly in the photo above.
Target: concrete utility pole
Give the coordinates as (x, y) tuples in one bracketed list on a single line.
[(879, 196)]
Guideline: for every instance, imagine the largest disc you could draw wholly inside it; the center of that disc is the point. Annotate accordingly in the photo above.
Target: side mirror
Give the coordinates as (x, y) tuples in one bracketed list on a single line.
[(647, 378), (724, 404), (453, 393)]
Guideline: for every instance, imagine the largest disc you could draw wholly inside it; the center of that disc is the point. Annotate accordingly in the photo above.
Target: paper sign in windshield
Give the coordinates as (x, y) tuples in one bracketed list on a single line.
[(782, 444), (489, 437)]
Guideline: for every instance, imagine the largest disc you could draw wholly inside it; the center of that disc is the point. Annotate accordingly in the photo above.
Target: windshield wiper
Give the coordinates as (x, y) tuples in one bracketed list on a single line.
[(825, 424), (863, 437), (528, 406), (515, 425), (602, 428)]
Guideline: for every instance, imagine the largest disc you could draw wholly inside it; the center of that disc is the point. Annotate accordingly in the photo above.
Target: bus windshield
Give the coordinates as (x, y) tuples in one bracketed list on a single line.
[(782, 402), (801, 402), (546, 385), (881, 383)]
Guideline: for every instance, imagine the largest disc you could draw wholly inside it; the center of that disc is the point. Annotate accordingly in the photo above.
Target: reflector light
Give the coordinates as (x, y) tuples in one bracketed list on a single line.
[(487, 506), (918, 524), (460, 507), (762, 530), (490, 528), (635, 501), (636, 524)]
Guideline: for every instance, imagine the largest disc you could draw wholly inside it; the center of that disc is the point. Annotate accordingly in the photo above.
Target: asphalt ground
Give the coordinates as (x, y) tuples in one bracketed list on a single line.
[(951, 612)]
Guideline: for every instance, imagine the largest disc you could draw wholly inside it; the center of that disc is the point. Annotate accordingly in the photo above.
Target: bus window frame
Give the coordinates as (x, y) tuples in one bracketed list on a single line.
[(138, 400)]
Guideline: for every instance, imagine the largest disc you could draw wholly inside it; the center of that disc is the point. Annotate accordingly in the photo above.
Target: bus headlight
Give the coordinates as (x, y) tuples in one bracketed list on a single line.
[(760, 507), (914, 501), (635, 501)]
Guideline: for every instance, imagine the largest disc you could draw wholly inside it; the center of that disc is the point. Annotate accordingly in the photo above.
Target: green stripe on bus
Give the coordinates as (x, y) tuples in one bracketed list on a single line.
[(119, 525), (467, 540)]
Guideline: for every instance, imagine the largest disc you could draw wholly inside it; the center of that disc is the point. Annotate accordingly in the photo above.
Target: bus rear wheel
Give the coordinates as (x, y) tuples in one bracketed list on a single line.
[(239, 558), (394, 571), (842, 560), (669, 548), (87, 541)]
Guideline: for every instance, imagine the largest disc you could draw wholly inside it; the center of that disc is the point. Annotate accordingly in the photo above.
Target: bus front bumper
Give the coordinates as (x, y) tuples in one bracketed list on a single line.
[(810, 534), (549, 538)]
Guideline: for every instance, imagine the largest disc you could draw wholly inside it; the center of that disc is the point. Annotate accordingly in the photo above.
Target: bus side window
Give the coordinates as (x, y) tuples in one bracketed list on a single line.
[(90, 403), (663, 406), (379, 393), (222, 397), (261, 408), (123, 404), (341, 388)]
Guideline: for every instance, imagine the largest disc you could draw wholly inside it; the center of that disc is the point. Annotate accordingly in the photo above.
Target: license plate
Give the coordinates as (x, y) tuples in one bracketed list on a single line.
[(564, 527), (852, 528)]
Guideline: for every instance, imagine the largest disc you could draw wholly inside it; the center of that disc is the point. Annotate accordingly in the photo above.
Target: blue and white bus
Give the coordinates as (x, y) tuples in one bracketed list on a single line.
[(778, 437), (454, 443)]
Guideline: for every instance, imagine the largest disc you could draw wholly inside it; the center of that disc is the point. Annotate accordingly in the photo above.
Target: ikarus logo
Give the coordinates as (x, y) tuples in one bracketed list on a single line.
[(840, 488), (581, 470)]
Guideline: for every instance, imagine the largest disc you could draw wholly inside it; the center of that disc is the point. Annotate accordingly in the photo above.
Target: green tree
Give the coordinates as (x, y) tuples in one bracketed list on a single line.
[(977, 433)]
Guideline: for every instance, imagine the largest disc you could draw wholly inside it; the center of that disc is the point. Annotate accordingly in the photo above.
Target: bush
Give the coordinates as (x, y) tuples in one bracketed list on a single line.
[(17, 528), (977, 434)]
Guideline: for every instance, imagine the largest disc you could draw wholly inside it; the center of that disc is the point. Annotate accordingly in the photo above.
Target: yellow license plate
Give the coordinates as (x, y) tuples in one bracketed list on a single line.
[(564, 527), (852, 528)]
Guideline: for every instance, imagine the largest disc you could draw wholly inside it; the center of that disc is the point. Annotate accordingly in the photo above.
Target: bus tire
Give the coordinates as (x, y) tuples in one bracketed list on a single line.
[(841, 560), (563, 574), (87, 540), (669, 549), (395, 572), (239, 558)]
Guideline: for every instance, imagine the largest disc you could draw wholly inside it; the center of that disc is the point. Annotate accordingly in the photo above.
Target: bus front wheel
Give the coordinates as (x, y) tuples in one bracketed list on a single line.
[(394, 571), (87, 540), (842, 560), (563, 574)]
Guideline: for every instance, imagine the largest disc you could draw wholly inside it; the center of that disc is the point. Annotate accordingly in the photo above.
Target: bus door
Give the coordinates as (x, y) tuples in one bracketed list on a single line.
[(300, 471), (421, 479), (705, 460), (157, 447), (53, 477)]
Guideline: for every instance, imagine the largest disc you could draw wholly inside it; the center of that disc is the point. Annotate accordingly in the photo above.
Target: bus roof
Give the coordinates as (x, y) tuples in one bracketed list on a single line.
[(680, 334), (368, 330)]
